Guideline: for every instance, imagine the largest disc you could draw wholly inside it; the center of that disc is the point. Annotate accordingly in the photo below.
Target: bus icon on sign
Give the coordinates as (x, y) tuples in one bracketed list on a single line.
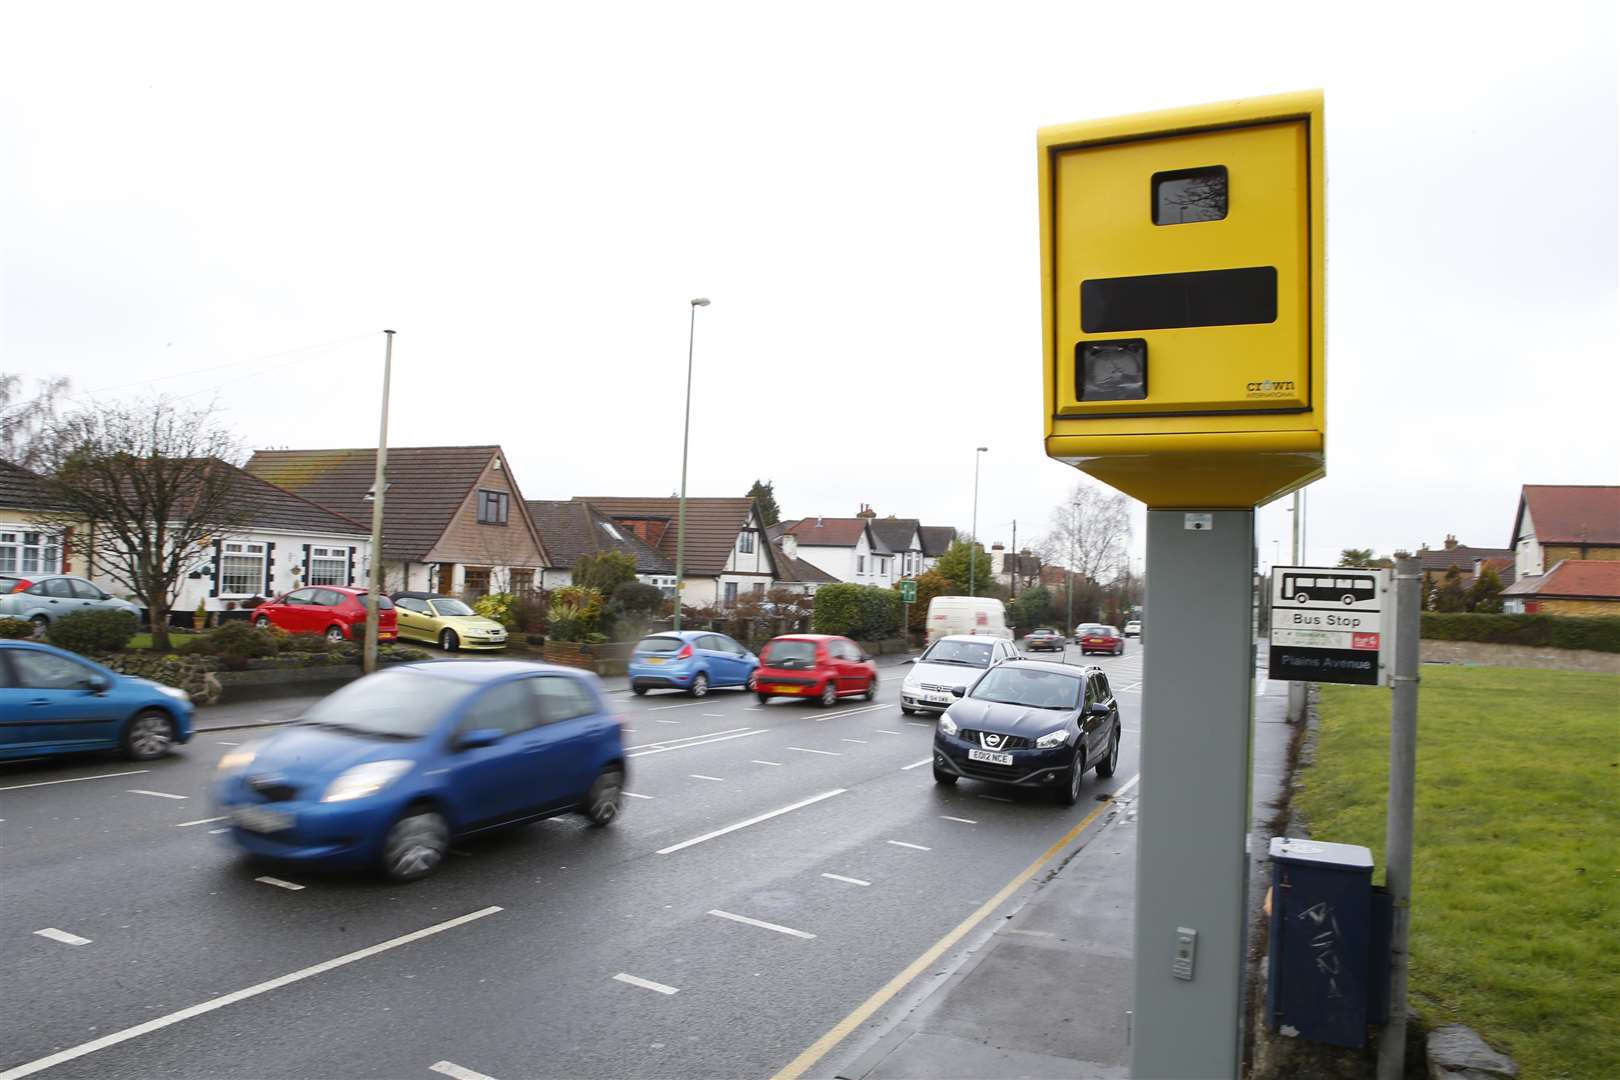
[(1346, 588)]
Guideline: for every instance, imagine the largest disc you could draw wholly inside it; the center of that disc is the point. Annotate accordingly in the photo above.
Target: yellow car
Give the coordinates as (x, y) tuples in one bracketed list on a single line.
[(446, 622)]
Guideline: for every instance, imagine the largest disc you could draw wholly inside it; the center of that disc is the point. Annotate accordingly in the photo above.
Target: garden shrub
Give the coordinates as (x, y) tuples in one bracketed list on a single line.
[(498, 606), (93, 631), (1598, 633), (16, 629), (574, 613), (236, 638), (863, 612)]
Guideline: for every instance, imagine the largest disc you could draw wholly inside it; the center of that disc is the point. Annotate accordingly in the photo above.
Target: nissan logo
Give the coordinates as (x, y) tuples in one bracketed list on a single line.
[(992, 740)]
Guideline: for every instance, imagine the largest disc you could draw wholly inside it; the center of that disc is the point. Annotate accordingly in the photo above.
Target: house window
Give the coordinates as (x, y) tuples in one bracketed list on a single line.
[(476, 582), (328, 566), (29, 553), (759, 590), (745, 543), (860, 564), (731, 594), (522, 581), (241, 568), (492, 507)]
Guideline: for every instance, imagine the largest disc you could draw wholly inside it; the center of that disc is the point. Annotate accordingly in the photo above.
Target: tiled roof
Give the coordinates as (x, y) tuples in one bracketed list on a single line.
[(426, 486), (284, 511), (572, 528), (835, 532), (23, 490), (937, 539), (896, 533), (1462, 557), (1571, 513), (794, 570), (712, 526), (1573, 579)]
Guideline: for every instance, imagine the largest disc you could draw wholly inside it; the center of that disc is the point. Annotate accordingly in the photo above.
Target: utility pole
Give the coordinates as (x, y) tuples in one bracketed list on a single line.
[(1018, 563), (1398, 816), (379, 484), (973, 543), (686, 438)]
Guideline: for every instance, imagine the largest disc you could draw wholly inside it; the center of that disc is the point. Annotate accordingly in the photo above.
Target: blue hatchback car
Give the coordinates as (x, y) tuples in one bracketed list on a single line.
[(390, 769), (56, 702), (692, 660)]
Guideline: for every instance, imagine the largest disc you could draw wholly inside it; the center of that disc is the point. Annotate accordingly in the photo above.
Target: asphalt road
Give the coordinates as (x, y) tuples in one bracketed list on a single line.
[(778, 865)]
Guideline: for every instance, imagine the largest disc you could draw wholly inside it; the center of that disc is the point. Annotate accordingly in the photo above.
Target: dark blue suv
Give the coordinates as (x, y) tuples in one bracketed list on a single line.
[(390, 769)]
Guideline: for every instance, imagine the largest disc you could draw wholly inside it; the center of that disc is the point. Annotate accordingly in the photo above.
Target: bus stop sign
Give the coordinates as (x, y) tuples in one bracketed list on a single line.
[(1331, 624)]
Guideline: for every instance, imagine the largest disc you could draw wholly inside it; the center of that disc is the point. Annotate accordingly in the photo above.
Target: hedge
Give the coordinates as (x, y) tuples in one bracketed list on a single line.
[(1598, 633), (863, 612), (92, 630)]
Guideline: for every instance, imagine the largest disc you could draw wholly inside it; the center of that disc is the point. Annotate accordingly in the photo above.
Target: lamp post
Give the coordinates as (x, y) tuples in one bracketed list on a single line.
[(379, 487), (973, 543), (686, 437)]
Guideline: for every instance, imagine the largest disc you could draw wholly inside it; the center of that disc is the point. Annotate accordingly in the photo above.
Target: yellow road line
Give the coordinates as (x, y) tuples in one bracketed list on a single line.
[(841, 1030)]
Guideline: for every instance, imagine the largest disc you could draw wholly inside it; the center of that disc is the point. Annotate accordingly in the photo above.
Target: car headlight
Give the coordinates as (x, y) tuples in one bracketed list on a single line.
[(239, 758), (946, 724), (1060, 737), (367, 779), (174, 692)]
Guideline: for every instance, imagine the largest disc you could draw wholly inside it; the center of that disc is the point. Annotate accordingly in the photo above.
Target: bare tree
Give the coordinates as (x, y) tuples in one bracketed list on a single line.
[(1090, 532), (157, 487), (24, 418)]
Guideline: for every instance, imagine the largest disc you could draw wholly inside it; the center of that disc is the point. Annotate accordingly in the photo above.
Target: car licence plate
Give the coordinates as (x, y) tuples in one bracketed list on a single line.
[(261, 819), (991, 756), (937, 699), (655, 660), (789, 690)]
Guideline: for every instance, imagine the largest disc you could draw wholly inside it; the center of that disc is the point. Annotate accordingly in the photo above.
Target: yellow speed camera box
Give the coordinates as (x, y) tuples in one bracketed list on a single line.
[(1181, 295)]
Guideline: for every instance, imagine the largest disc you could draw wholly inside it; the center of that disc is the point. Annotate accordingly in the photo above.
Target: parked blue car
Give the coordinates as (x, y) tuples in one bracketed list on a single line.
[(692, 660), (56, 702), (390, 769)]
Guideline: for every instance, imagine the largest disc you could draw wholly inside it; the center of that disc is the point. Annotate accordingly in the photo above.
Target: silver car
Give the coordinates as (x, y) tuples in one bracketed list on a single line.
[(50, 596), (951, 664)]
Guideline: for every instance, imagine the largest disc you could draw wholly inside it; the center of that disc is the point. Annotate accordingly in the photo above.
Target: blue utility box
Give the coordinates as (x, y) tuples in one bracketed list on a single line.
[(1329, 967)]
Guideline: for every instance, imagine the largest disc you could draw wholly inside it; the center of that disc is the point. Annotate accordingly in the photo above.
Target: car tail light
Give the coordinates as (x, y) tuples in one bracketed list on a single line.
[(21, 585), (685, 653)]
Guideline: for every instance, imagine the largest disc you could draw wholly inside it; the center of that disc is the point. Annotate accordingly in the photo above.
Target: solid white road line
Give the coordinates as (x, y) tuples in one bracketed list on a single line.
[(1126, 786), (158, 794), (278, 883), (63, 936), (744, 824), (199, 821), (74, 779), (700, 776), (916, 764), (762, 925), (902, 843), (451, 1069), (861, 741), (850, 880), (673, 739), (666, 721), (646, 984), (757, 761), (963, 820), (661, 708), (634, 795), (657, 749), (159, 1022), (807, 750)]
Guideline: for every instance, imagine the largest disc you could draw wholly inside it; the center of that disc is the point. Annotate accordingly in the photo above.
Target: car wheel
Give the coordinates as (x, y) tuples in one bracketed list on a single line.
[(700, 684), (764, 699), (149, 736), (1106, 767), (871, 688), (415, 845), (945, 778), (1069, 793), (449, 642), (334, 635), (602, 801), (829, 694), (41, 624), (262, 622), (639, 691)]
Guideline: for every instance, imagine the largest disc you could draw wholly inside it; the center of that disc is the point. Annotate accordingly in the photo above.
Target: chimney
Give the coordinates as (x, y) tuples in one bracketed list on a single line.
[(866, 511), (818, 521), (790, 545), (998, 546), (1451, 541)]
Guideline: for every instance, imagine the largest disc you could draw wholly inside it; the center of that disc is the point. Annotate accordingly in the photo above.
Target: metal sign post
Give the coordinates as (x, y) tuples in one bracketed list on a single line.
[(1398, 816)]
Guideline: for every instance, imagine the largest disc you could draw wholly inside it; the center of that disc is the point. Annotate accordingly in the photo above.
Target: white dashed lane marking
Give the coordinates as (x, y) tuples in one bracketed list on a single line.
[(750, 821), (700, 776), (646, 984), (199, 821), (157, 794), (757, 761), (635, 795), (762, 925), (278, 883), (63, 936), (807, 750), (913, 847), (457, 1072), (849, 880), (963, 820), (916, 764)]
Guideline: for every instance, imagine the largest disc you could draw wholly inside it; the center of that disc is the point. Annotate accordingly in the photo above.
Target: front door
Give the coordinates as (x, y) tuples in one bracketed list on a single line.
[(447, 579)]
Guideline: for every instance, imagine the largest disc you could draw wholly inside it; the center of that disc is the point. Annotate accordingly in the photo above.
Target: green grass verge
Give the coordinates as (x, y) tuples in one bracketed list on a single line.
[(1516, 867)]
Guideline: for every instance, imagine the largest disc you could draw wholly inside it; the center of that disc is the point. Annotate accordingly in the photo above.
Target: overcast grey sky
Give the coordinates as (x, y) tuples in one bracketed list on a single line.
[(530, 194)]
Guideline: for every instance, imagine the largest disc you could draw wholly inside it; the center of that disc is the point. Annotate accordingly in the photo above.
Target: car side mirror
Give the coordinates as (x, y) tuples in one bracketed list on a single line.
[(1099, 709), (959, 691), (97, 684), (472, 740)]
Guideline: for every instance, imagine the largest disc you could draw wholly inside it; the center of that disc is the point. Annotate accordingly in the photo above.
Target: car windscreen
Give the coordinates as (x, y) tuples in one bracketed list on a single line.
[(389, 704), (790, 654), (656, 644), (1030, 687), (450, 607), (1095, 631), (969, 653)]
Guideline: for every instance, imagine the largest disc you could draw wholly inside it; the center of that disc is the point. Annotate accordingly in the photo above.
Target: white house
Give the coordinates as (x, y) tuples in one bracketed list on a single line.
[(903, 537), (846, 548)]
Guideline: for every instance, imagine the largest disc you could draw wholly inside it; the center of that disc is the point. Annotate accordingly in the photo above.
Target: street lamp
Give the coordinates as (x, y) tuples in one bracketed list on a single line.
[(973, 543), (686, 437)]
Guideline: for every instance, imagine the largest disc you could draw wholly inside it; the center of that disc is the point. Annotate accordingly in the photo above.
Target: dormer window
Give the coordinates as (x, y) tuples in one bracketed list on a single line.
[(493, 507)]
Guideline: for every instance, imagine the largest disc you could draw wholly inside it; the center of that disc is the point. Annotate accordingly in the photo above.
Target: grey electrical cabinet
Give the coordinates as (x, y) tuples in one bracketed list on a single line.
[(1329, 951)]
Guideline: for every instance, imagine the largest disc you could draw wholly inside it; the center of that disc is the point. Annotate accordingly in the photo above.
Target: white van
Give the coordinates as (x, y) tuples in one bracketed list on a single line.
[(982, 615)]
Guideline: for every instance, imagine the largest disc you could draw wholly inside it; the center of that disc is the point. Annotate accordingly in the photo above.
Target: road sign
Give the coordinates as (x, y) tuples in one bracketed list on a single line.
[(1331, 624), (908, 592), (1182, 297)]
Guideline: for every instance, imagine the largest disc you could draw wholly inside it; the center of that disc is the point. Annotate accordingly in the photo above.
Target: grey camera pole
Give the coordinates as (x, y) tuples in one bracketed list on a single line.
[(1398, 817), (368, 658)]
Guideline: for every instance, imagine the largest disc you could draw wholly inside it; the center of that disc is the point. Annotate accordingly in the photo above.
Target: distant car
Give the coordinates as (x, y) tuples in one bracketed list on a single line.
[(692, 660), (44, 598), (331, 610), (950, 664), (819, 666), (1044, 638), (389, 770), (1098, 638), (56, 702), (446, 622), (1133, 629), (1032, 724)]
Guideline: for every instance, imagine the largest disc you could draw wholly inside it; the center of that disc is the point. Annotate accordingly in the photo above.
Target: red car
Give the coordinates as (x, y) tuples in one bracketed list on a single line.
[(1099, 639), (818, 666), (332, 610)]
